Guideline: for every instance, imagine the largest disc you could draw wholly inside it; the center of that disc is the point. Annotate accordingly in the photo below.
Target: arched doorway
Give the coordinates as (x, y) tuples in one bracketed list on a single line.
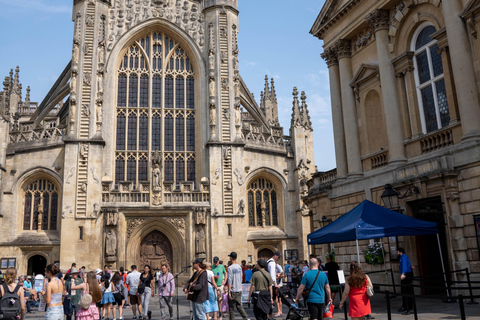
[(36, 265), (265, 254), (155, 250)]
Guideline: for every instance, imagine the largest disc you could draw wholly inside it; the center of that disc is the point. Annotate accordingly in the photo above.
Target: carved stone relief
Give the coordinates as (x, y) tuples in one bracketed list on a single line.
[(133, 224), (70, 175), (179, 224), (94, 177), (96, 210), (241, 207), (111, 217), (216, 176), (200, 240), (155, 250), (111, 245), (239, 176), (200, 216)]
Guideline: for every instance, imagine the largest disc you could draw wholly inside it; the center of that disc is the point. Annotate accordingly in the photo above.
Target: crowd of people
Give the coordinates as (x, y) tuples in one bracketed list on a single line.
[(215, 289)]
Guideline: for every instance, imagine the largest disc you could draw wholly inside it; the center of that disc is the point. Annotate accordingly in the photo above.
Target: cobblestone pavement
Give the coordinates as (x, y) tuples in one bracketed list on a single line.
[(427, 309)]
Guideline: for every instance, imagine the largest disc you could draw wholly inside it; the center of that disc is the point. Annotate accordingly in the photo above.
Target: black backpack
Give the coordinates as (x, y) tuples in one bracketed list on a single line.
[(10, 306)]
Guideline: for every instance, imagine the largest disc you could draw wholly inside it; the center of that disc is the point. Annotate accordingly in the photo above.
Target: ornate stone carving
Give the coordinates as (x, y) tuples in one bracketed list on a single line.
[(226, 113), (200, 240), (224, 56), (86, 110), (343, 48), (132, 224), (70, 175), (179, 224), (111, 245), (216, 176), (156, 172), (156, 198), (89, 20), (68, 212), (87, 78), (111, 217), (77, 28), (305, 210), (82, 150), (94, 177), (83, 187), (200, 216), (241, 207), (224, 83), (239, 176), (379, 19), (96, 210), (155, 250), (362, 39)]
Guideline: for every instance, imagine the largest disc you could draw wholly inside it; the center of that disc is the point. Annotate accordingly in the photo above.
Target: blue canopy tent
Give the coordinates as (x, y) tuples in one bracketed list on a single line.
[(371, 221)]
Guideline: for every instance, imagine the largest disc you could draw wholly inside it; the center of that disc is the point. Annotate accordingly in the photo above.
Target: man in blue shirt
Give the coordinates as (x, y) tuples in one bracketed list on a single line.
[(406, 278), (316, 281)]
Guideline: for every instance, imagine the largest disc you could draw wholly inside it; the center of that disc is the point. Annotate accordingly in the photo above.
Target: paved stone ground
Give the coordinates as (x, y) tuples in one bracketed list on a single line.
[(427, 309)]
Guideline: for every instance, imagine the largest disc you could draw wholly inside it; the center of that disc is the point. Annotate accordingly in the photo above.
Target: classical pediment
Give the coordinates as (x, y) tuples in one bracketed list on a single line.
[(366, 72), (472, 6), (332, 9)]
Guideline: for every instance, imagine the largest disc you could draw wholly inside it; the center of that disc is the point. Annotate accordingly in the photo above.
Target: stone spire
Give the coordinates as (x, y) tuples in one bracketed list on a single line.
[(296, 113), (266, 91), (273, 94), (268, 103), (306, 121)]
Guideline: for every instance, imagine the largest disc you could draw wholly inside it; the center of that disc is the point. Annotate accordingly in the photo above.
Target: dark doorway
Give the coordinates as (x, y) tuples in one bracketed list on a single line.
[(430, 263), (265, 254), (36, 265), (155, 250)]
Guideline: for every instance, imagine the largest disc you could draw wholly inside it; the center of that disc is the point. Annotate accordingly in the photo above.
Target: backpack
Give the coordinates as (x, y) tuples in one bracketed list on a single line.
[(10, 307)]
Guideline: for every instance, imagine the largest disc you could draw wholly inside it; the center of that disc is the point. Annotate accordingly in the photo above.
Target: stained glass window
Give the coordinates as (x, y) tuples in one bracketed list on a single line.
[(40, 196), (261, 193), (429, 76), (155, 111)]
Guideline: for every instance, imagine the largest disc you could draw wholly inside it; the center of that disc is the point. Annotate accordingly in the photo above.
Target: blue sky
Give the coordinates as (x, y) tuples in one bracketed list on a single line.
[(274, 40)]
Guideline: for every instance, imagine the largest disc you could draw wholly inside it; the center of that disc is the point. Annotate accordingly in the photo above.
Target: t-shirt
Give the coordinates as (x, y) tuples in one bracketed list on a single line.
[(271, 268), (305, 270), (279, 270), (148, 279), (235, 277), (219, 271), (210, 278), (287, 268), (317, 289), (27, 284), (133, 279), (259, 281), (248, 275), (332, 268)]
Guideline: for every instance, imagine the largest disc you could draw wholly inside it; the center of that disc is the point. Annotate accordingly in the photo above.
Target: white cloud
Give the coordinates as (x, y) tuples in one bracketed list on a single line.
[(38, 5)]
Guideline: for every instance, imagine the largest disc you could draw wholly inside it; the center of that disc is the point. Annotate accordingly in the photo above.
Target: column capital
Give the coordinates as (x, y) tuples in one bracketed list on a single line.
[(343, 48), (330, 56), (379, 19)]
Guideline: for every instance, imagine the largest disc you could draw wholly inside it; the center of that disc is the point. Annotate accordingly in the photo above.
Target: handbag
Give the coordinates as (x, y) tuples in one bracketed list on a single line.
[(190, 287), (306, 292), (328, 310), (67, 304), (370, 291), (85, 300), (141, 286)]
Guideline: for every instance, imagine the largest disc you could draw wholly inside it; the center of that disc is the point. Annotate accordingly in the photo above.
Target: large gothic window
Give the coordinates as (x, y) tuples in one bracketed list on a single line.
[(155, 111), (429, 79), (262, 203), (41, 196)]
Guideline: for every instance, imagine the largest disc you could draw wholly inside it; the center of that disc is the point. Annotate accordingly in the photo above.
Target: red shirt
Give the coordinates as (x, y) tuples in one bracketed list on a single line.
[(245, 268)]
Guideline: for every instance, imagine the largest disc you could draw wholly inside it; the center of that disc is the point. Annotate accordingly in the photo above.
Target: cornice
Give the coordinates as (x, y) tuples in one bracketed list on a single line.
[(321, 30)]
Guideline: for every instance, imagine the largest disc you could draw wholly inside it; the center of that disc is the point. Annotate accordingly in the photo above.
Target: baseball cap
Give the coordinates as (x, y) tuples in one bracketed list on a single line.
[(262, 263), (29, 277), (197, 260), (233, 255), (216, 259), (277, 253)]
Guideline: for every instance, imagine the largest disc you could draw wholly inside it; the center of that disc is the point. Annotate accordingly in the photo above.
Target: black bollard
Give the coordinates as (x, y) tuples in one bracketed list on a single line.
[(414, 302), (393, 282), (345, 307), (462, 307), (389, 308)]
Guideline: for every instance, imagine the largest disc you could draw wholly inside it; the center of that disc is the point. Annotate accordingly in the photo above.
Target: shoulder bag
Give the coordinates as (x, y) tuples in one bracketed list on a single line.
[(306, 292), (370, 291), (86, 299)]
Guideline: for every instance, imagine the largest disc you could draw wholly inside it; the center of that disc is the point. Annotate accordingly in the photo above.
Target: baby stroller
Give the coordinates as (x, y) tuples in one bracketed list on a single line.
[(287, 294)]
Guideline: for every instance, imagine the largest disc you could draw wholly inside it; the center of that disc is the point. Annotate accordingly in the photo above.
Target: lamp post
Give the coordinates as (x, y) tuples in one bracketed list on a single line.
[(324, 222), (390, 197)]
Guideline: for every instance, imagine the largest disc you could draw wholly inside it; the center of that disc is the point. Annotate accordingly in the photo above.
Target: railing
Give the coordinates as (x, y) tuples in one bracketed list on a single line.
[(437, 141), (322, 181), (36, 135), (379, 160)]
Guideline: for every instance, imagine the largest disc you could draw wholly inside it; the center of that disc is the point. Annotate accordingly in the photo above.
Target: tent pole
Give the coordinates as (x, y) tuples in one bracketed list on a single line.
[(443, 266), (358, 252)]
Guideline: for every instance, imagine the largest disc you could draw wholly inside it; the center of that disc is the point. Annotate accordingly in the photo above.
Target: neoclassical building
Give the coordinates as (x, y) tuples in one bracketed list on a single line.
[(150, 148), (405, 84)]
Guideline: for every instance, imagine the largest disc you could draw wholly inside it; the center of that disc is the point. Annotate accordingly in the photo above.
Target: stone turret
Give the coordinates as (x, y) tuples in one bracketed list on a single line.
[(296, 114), (306, 121), (268, 103)]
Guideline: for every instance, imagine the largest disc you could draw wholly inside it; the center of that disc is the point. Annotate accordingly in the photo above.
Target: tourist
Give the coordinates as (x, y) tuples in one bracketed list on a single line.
[(248, 274), (107, 298), (305, 267), (133, 279), (297, 274), (356, 291), (244, 268), (211, 305), (278, 300), (224, 303), (91, 287), (406, 277), (98, 274), (123, 274), (220, 274), (54, 295), (272, 270), (317, 283), (75, 295), (332, 267), (166, 290), (146, 279), (235, 287), (198, 286), (261, 292), (74, 265), (82, 273), (117, 290), (9, 281)]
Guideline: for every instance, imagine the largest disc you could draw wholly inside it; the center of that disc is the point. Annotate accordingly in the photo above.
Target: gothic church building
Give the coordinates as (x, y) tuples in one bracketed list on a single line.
[(149, 148)]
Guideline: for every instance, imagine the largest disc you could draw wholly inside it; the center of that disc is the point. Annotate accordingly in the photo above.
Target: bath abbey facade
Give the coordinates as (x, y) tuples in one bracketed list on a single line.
[(150, 148)]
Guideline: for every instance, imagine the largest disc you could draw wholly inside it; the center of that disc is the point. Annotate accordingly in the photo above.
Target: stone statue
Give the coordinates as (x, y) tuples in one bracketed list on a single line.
[(112, 218), (213, 115), (111, 244), (201, 216), (211, 87), (241, 207), (200, 241), (156, 175)]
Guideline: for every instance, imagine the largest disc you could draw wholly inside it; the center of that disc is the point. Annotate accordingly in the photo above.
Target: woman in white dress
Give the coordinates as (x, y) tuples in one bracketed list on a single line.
[(211, 305)]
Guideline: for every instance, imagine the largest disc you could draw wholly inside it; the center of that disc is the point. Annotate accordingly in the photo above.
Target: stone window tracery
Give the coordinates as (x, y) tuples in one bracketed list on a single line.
[(41, 198), (430, 80), (155, 111), (262, 203)]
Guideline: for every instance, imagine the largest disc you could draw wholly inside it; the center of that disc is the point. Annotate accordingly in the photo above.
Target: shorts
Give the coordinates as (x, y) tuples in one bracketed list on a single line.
[(118, 299), (219, 295), (274, 293), (134, 299), (315, 310)]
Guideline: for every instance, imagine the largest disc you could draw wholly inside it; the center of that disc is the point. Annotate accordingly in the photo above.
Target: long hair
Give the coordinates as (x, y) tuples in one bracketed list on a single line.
[(53, 269), (149, 269), (10, 275), (93, 287), (116, 278), (106, 280), (357, 278)]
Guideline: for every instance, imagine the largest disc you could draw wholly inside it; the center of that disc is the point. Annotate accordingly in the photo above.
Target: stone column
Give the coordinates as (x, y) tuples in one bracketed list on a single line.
[(337, 115), (379, 22), (463, 71), (352, 143)]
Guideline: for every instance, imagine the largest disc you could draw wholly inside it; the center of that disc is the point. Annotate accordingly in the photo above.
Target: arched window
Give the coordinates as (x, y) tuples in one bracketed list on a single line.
[(262, 203), (155, 111), (429, 79), (41, 196)]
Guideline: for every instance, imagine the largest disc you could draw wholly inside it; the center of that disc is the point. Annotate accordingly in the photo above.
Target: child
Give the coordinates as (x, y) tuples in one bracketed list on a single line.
[(224, 306)]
